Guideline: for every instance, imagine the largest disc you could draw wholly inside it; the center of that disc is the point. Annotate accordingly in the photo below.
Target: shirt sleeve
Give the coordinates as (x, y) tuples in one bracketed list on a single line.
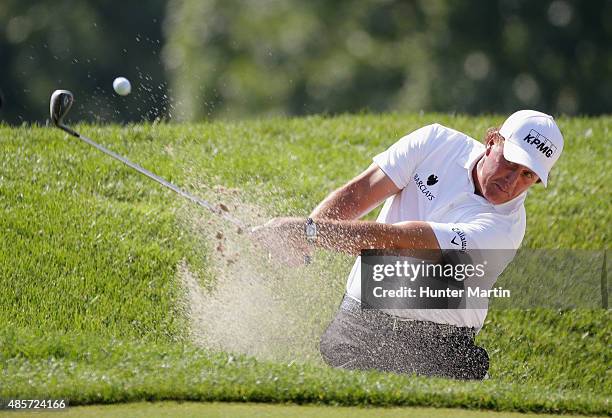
[(400, 161), (485, 232), (489, 240)]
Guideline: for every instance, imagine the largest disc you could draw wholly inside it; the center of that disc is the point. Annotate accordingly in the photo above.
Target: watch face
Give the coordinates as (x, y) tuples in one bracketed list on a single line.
[(311, 230)]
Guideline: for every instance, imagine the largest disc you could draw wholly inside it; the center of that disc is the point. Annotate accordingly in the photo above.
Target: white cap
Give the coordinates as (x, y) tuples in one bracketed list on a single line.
[(533, 140)]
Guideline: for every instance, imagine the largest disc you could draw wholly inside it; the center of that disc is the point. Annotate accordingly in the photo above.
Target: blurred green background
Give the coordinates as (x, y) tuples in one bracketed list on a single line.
[(202, 59)]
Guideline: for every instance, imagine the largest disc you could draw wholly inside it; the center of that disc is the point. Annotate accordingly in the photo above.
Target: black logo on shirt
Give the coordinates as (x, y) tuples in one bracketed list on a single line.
[(423, 188), (432, 179), (459, 240), (541, 143)]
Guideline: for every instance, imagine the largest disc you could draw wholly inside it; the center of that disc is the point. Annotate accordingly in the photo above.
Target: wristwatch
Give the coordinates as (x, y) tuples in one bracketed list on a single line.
[(310, 229)]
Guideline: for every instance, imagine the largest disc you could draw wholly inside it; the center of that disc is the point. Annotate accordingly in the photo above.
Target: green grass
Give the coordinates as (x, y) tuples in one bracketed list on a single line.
[(90, 303), (89, 370), (250, 410)]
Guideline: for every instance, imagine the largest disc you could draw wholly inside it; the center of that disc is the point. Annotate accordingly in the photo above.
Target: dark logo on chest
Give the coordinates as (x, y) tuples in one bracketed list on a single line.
[(422, 187)]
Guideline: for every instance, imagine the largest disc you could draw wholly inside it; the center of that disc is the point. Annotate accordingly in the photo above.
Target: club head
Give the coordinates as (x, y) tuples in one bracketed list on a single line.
[(60, 104)]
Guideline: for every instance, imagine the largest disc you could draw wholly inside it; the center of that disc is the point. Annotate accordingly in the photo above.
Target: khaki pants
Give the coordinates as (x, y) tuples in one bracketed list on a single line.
[(370, 339)]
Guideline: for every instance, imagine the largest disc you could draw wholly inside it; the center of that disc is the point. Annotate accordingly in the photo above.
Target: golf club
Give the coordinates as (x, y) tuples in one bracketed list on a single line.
[(60, 104)]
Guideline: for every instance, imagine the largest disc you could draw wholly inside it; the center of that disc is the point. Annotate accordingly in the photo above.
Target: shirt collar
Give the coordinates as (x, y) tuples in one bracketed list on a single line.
[(468, 161)]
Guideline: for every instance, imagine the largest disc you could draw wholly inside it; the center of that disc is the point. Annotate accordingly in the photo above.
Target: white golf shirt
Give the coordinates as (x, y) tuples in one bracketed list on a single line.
[(433, 168)]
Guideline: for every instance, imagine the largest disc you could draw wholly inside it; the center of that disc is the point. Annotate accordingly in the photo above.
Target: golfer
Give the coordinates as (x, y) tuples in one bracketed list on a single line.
[(443, 191)]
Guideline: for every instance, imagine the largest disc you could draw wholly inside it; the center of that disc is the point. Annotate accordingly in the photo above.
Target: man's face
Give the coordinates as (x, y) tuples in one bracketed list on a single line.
[(501, 180)]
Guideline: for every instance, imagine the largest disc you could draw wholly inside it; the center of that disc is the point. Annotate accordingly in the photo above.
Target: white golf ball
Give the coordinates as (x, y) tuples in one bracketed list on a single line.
[(122, 86)]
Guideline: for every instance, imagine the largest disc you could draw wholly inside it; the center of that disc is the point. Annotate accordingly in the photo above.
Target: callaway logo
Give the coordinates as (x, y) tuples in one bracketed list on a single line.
[(432, 179), (459, 239), (541, 143), (423, 188)]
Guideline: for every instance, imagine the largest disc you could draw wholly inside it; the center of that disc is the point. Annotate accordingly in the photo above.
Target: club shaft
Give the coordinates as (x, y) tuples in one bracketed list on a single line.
[(198, 201)]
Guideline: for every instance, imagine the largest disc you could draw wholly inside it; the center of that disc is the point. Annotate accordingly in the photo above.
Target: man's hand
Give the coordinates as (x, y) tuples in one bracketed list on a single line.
[(283, 239)]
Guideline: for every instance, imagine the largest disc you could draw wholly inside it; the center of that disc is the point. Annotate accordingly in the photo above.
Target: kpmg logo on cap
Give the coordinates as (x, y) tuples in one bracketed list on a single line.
[(541, 143)]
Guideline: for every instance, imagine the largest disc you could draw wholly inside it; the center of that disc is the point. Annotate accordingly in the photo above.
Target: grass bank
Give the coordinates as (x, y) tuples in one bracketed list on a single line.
[(90, 307)]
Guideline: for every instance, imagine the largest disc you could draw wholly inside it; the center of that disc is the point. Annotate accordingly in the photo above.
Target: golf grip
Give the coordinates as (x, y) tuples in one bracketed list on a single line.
[(155, 177)]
